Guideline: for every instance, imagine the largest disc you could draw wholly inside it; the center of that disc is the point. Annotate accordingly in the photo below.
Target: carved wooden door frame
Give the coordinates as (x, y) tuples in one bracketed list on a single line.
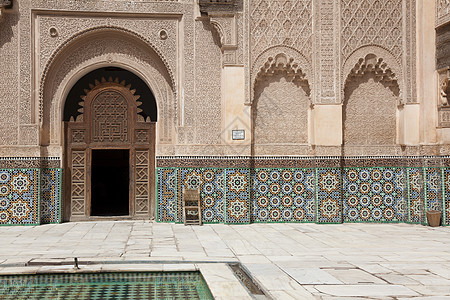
[(109, 119)]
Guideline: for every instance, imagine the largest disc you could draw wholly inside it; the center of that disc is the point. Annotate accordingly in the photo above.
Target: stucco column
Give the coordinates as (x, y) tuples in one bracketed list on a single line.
[(327, 124), (426, 72), (236, 115)]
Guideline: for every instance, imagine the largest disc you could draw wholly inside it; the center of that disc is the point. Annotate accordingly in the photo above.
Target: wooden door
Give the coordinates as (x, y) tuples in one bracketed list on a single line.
[(110, 119)]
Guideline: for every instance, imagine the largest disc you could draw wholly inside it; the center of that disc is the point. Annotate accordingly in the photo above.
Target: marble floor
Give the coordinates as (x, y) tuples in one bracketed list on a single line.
[(287, 261)]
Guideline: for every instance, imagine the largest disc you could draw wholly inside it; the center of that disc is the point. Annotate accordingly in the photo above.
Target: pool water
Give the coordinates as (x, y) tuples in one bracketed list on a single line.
[(114, 285)]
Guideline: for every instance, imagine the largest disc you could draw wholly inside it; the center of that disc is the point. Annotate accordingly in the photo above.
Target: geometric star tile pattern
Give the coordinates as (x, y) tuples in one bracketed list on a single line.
[(51, 180), (374, 195), (433, 189), (283, 195), (211, 182), (416, 192), (329, 198), (237, 196), (167, 210), (19, 196), (446, 200)]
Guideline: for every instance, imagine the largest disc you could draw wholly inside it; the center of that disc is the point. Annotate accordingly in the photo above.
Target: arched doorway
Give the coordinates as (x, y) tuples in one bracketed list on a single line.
[(110, 117)]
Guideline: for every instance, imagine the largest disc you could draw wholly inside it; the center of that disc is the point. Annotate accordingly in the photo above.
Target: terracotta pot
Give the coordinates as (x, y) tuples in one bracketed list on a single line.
[(434, 218)]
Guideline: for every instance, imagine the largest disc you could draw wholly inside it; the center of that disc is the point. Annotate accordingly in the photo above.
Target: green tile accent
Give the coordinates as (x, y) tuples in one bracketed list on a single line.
[(93, 286)]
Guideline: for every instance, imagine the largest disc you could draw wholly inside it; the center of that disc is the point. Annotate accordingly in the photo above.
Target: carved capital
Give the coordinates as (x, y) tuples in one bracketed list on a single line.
[(222, 15)]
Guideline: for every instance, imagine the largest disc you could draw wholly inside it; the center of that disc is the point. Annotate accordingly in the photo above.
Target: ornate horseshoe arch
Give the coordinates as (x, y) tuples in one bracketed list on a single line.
[(109, 121), (97, 48)]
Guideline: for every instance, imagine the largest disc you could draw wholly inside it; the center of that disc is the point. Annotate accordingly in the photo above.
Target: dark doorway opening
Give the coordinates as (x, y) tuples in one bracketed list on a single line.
[(110, 182)]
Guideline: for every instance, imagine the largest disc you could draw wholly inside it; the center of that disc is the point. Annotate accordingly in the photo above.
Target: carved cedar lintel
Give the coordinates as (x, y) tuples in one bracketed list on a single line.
[(207, 6), (5, 4)]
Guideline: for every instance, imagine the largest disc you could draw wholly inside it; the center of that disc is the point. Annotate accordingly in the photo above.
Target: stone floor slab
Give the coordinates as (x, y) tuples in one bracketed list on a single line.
[(311, 276), (366, 290), (354, 276)]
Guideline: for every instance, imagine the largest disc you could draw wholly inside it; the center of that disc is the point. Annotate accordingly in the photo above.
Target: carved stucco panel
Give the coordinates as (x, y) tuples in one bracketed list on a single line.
[(187, 116), (111, 6), (368, 22), (25, 112), (388, 25), (281, 22), (369, 113), (280, 106), (409, 59), (326, 52), (208, 105), (279, 27), (246, 45), (9, 93), (240, 39)]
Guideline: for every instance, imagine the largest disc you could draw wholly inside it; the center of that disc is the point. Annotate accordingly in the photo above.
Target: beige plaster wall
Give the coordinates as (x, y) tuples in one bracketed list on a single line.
[(235, 114), (410, 124), (327, 125)]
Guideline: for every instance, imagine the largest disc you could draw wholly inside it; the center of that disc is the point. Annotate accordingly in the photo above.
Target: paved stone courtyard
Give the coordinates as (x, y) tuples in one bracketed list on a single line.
[(288, 261)]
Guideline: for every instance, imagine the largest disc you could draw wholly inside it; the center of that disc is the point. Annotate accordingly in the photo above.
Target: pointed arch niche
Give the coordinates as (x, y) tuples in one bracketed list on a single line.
[(281, 104), (371, 101)]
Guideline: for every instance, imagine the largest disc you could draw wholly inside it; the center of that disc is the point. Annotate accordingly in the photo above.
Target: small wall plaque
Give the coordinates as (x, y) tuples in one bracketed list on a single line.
[(238, 134)]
